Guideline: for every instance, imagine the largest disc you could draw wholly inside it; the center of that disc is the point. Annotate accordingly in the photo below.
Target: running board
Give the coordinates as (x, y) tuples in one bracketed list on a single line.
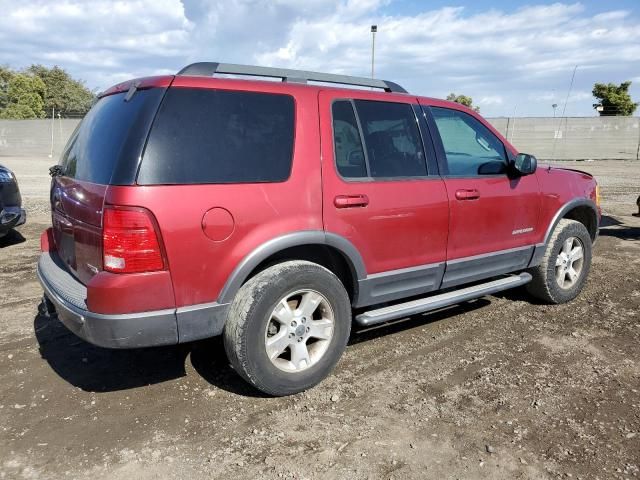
[(393, 312)]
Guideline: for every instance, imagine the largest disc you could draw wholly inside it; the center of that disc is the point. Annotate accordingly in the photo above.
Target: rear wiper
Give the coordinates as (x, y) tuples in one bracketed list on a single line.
[(56, 171), (132, 91)]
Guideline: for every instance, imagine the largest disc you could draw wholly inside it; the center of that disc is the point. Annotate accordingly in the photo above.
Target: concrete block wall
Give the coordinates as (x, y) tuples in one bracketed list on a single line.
[(547, 138), (588, 138), (33, 138)]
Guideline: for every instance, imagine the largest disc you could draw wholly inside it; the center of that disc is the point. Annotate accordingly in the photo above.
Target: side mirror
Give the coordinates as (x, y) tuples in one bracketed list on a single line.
[(525, 164)]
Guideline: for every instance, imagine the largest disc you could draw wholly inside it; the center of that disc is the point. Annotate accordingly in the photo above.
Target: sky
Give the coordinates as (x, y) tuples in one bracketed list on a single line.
[(512, 57)]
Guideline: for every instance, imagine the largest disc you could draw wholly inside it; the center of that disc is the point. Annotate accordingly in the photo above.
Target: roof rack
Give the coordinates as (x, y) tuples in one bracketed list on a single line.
[(208, 69)]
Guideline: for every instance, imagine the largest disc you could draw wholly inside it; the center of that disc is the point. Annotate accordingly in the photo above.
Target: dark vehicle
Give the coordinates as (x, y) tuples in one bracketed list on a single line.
[(11, 212), (278, 214)]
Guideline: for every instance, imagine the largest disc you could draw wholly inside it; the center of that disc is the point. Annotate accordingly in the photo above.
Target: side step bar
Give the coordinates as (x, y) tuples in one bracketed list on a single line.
[(393, 312)]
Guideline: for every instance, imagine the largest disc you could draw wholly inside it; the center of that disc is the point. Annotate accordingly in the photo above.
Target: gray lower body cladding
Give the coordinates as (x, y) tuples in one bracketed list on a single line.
[(132, 330), (407, 282)]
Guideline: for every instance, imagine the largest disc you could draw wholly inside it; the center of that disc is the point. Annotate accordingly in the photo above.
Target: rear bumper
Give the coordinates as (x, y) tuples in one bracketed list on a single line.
[(132, 330), (11, 217)]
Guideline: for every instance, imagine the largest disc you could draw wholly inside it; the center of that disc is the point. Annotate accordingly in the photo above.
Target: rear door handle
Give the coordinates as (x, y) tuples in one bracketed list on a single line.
[(351, 201), (472, 194)]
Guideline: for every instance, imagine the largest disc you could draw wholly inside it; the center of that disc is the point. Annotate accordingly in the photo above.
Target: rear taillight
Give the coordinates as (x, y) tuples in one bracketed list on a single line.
[(130, 241)]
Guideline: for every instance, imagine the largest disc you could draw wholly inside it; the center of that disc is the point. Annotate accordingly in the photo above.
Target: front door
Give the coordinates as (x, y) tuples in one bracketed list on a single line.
[(380, 194), (493, 216)]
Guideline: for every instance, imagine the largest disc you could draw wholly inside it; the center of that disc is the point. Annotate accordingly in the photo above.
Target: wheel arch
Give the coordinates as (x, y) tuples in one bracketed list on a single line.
[(332, 251), (582, 210)]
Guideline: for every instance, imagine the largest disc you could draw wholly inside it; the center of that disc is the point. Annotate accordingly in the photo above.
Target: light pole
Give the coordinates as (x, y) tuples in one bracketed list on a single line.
[(374, 29), (554, 106)]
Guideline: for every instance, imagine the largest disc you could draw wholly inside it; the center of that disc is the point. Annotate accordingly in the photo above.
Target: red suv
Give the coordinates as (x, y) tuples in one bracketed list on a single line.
[(278, 213)]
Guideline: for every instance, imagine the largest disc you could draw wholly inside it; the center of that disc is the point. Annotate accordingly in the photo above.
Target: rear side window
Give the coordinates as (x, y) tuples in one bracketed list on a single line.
[(389, 147), (347, 143), (110, 136), (218, 136), (392, 139), (471, 148)]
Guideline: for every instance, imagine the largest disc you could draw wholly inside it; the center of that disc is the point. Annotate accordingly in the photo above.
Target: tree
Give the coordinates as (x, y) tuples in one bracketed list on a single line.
[(5, 76), (34, 92), (24, 97), (463, 100), (614, 99), (63, 92)]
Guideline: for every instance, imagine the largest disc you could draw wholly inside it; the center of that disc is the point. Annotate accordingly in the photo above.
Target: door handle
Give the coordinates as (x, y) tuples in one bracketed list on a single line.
[(351, 201), (467, 194)]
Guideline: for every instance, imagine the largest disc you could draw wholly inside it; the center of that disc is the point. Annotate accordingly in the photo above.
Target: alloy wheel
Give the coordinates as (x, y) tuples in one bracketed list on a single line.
[(299, 330), (569, 263)]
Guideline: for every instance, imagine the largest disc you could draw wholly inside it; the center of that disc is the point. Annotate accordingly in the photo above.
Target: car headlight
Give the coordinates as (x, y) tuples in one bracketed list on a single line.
[(6, 176)]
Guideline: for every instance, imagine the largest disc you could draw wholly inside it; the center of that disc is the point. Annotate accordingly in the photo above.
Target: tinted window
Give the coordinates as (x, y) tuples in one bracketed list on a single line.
[(217, 136), (392, 139), (347, 143), (112, 132), (471, 149)]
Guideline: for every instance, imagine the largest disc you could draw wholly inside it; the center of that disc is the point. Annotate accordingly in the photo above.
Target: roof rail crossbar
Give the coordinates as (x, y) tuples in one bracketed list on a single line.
[(208, 69)]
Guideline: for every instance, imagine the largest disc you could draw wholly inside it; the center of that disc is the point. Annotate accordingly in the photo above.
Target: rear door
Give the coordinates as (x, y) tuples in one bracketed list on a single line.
[(381, 191), (104, 149), (493, 216)]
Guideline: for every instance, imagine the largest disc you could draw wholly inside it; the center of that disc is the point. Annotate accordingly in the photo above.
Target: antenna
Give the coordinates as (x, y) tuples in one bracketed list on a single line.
[(564, 109)]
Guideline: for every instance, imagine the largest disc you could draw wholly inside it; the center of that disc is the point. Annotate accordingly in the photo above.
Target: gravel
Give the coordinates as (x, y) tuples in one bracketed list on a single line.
[(497, 388)]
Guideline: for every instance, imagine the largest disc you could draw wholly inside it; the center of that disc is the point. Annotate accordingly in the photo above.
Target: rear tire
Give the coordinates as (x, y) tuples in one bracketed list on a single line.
[(565, 266), (288, 327)]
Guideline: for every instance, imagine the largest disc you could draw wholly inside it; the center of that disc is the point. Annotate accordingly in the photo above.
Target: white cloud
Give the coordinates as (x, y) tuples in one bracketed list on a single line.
[(490, 100), (96, 39), (518, 59)]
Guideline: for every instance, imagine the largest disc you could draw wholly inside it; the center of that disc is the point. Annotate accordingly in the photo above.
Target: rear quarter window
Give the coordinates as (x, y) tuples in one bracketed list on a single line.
[(219, 136), (109, 140)]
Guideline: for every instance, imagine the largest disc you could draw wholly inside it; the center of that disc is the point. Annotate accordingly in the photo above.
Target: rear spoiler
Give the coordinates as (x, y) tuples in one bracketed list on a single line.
[(162, 81)]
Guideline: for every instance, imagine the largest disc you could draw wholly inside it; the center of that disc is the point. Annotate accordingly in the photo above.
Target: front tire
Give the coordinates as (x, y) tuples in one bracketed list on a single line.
[(288, 327), (565, 266)]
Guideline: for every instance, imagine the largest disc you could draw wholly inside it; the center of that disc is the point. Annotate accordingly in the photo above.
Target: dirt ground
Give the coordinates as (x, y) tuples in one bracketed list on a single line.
[(497, 388)]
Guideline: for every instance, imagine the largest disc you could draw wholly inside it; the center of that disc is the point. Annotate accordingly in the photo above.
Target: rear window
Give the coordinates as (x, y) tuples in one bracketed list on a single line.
[(219, 136), (110, 138)]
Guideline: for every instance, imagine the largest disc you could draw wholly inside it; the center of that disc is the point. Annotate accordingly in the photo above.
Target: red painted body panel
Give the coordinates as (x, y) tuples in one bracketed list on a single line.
[(200, 266), (113, 293), (47, 243), (141, 83), (405, 223), (504, 213), (488, 223), (559, 186), (77, 224)]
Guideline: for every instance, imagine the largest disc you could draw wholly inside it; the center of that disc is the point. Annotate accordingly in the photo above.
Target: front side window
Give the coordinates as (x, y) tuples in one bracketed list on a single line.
[(390, 145), (471, 148)]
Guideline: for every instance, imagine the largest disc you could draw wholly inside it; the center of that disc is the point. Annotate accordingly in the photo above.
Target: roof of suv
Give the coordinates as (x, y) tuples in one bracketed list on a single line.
[(299, 77), (209, 69), (202, 74)]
